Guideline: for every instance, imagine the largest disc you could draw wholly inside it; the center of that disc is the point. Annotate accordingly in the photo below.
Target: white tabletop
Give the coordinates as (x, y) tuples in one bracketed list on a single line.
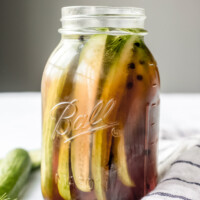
[(20, 122)]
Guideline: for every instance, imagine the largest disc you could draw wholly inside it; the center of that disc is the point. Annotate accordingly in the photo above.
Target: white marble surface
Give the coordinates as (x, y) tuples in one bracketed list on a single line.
[(20, 122)]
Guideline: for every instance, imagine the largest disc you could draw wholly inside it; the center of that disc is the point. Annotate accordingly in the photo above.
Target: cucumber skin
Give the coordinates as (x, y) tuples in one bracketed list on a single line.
[(14, 171), (35, 159)]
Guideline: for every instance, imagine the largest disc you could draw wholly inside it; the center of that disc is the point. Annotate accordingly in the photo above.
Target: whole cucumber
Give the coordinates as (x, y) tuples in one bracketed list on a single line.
[(14, 171)]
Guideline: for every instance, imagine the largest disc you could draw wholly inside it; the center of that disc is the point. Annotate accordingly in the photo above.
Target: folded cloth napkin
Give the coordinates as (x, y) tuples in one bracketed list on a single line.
[(179, 171)]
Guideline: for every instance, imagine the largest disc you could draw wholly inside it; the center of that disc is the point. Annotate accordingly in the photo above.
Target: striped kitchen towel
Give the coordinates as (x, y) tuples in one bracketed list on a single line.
[(179, 173)]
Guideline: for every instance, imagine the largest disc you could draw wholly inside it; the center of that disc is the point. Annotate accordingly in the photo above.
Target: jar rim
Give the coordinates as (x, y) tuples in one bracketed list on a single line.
[(88, 19), (81, 11)]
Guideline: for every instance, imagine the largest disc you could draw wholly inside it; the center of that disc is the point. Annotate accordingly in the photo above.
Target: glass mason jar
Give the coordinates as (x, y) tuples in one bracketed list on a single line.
[(100, 99)]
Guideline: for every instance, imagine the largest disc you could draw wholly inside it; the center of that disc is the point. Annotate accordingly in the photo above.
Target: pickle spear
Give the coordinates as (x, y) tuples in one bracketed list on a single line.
[(120, 160), (85, 91), (118, 55), (52, 87), (63, 170), (132, 112)]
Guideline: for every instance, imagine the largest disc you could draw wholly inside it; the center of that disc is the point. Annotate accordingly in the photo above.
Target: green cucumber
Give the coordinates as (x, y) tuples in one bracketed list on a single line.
[(14, 171), (35, 156)]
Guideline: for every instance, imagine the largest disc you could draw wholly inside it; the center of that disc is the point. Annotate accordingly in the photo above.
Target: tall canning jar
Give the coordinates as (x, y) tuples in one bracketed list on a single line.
[(100, 99)]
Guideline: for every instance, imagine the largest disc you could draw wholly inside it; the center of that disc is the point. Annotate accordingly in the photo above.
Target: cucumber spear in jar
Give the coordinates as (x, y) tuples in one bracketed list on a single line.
[(57, 69), (138, 93), (85, 91), (63, 169), (117, 57)]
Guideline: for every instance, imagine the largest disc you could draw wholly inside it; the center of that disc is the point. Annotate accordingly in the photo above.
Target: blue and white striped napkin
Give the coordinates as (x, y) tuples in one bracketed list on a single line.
[(179, 171)]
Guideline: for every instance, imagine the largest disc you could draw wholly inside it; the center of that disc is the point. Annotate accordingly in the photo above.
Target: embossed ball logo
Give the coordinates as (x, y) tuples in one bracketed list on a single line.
[(100, 118)]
